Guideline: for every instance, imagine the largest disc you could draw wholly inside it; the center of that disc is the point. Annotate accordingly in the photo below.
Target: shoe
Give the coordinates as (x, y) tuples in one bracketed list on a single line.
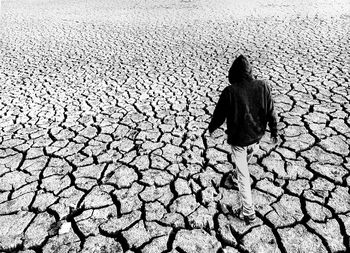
[(248, 219)]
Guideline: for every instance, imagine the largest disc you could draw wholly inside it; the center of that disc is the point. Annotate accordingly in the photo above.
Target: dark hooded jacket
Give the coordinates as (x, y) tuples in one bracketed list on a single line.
[(246, 105)]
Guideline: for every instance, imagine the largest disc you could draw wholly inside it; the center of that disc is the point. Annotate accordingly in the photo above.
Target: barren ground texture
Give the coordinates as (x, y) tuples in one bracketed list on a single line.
[(104, 107)]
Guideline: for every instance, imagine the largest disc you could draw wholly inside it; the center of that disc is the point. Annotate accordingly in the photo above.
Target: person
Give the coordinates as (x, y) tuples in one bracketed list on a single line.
[(247, 106)]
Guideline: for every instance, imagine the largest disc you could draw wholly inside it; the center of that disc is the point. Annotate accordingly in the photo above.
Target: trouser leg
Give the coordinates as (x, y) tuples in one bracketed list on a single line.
[(251, 150), (239, 155)]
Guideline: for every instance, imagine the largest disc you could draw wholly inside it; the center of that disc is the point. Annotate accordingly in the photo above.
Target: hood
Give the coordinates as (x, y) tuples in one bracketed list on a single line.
[(240, 70)]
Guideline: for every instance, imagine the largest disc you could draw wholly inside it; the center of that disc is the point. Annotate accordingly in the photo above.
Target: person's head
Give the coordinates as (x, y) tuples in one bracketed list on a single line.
[(240, 70)]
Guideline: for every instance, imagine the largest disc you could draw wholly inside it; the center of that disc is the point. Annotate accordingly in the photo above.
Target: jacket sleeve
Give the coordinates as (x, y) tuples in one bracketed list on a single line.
[(219, 115), (271, 116)]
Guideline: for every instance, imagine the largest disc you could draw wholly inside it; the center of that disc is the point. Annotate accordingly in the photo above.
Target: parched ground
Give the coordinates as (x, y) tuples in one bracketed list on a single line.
[(104, 107)]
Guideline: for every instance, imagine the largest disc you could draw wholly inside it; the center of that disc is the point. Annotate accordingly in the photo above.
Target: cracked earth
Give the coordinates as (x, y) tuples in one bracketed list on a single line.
[(103, 112)]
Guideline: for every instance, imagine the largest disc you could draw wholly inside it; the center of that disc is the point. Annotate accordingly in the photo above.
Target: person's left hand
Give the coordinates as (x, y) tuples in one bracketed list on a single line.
[(216, 133)]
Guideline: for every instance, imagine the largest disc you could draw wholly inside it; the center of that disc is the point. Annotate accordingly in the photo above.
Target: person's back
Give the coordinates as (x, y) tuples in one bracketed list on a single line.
[(248, 113), (247, 107)]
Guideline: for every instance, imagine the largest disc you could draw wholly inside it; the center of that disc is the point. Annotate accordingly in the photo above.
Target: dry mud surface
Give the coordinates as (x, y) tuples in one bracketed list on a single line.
[(103, 112)]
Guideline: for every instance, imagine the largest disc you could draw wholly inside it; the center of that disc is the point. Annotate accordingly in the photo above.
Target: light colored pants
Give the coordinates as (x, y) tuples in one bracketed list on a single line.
[(241, 156)]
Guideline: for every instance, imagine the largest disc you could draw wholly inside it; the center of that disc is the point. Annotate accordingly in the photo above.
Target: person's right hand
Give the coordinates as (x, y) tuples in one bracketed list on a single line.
[(274, 139)]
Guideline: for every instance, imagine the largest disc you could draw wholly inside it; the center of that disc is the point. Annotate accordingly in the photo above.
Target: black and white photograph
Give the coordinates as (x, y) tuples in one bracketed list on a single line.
[(175, 126)]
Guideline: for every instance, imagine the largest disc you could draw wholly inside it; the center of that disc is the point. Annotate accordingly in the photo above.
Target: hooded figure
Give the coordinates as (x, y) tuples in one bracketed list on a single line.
[(247, 107)]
